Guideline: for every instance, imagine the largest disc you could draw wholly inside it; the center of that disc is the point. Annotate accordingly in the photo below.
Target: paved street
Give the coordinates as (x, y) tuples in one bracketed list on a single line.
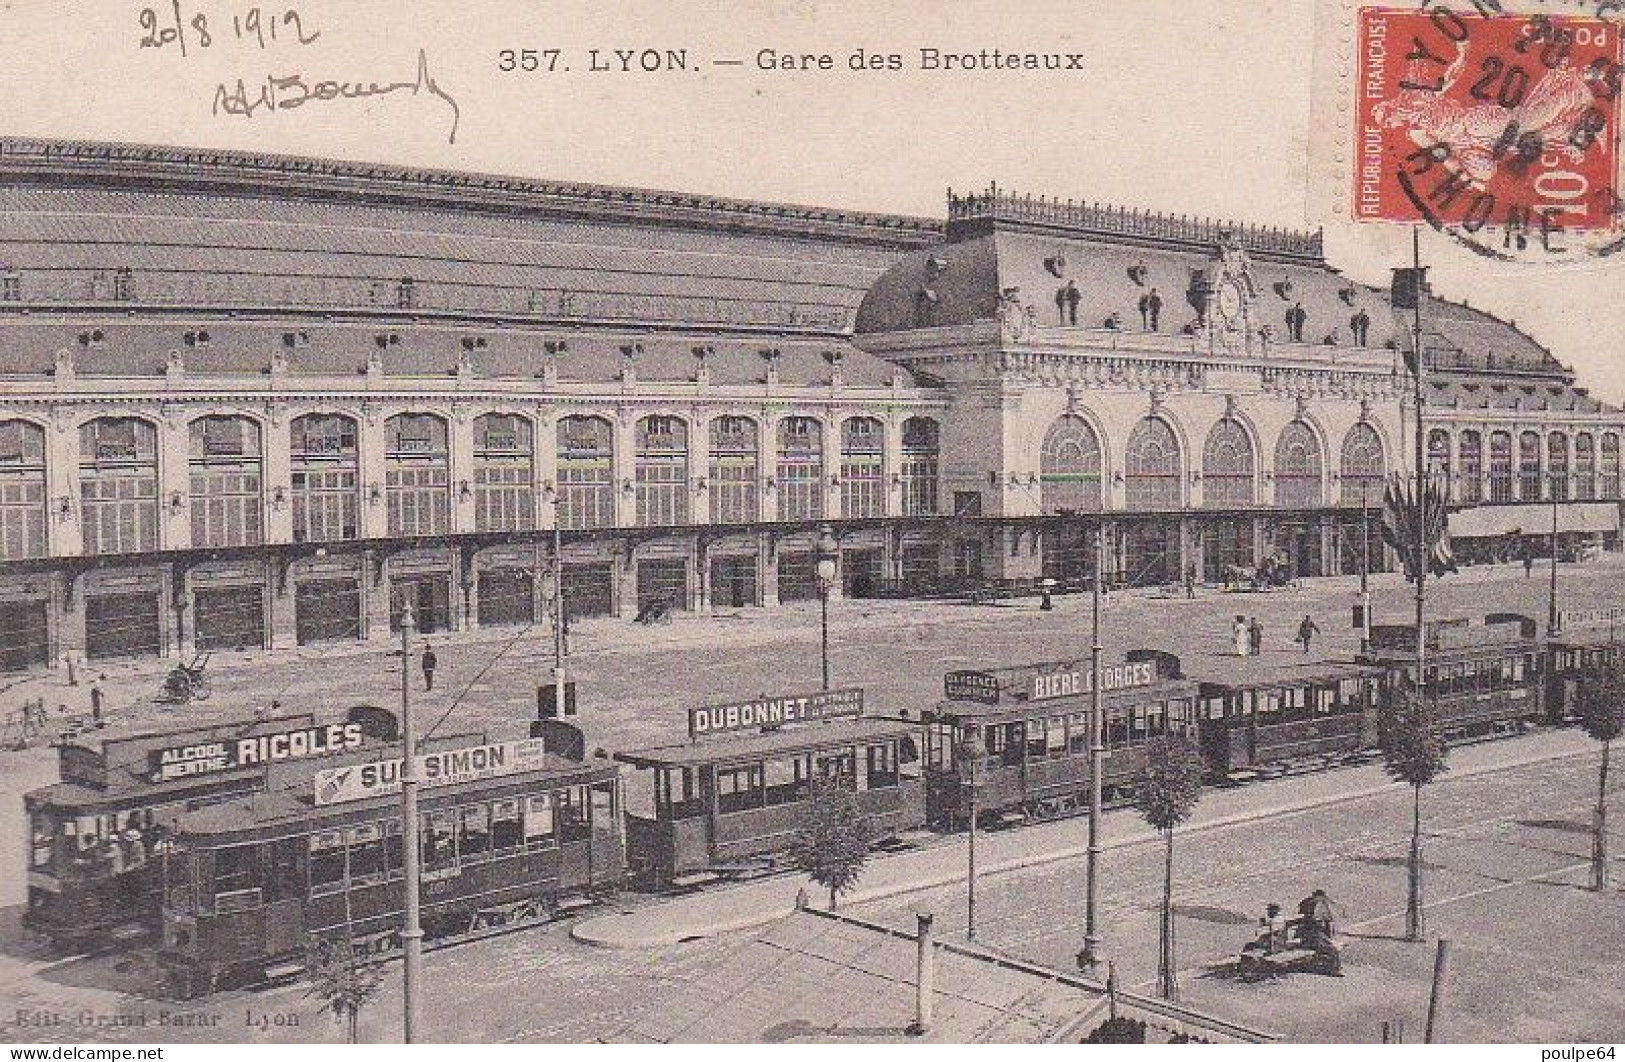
[(1507, 850)]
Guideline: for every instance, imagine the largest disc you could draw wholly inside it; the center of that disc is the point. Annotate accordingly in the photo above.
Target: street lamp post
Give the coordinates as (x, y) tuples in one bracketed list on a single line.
[(828, 550), (1553, 620), (1089, 958), (1365, 569), (412, 931)]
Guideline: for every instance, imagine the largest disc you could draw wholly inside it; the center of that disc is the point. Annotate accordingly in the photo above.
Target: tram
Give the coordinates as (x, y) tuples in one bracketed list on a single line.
[(1484, 678), (1288, 723), (509, 833), (98, 837), (728, 802), (1013, 742), (1587, 644)]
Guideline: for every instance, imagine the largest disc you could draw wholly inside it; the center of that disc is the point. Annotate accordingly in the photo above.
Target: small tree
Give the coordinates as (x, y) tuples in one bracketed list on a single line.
[(1602, 714), (342, 981), (1413, 752), (1168, 793), (832, 843)]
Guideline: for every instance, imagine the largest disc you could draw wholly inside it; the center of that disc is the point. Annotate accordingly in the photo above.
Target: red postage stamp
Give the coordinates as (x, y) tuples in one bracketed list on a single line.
[(1467, 121)]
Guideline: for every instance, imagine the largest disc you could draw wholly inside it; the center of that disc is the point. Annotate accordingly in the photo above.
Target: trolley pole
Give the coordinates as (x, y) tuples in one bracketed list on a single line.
[(1089, 958), (1413, 907), (1554, 622), (412, 932), (1365, 570), (970, 870), (558, 622)]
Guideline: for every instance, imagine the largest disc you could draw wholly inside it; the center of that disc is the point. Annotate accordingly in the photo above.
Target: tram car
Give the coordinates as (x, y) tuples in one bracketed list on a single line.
[(98, 837), (728, 802), (1013, 742), (1586, 645), (1285, 723), (510, 833), (1484, 678)]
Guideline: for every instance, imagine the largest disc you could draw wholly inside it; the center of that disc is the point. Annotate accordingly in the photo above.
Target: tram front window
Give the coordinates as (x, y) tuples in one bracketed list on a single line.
[(787, 780), (572, 814), (45, 830), (882, 766)]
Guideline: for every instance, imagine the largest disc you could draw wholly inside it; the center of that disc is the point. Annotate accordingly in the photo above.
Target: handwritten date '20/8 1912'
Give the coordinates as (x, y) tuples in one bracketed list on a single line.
[(174, 25)]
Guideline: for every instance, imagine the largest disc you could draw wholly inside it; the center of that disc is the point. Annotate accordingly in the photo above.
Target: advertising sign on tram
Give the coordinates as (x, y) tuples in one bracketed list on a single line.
[(360, 781), (766, 713), (224, 754)]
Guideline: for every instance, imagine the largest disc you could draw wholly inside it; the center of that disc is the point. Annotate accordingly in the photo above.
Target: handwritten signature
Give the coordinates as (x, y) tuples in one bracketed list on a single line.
[(289, 91)]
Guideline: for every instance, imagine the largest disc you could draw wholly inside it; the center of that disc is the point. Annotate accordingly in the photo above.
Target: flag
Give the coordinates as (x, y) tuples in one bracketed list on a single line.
[(1399, 525), (1409, 284)]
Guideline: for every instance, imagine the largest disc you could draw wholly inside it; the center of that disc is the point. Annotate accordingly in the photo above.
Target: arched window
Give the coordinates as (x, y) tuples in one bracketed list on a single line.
[(1069, 467), (417, 474), (1470, 477), (504, 473), (863, 467), (1151, 466), (1227, 466), (1501, 477), (1439, 454), (1529, 466), (660, 467), (1297, 467), (1608, 467), (1585, 466), (118, 485), (921, 457), (800, 469), (226, 479), (734, 470), (1363, 466), (325, 461), (586, 461), (22, 490), (1557, 465)]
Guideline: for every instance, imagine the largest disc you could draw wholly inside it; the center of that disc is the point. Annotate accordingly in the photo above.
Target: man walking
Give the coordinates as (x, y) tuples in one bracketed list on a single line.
[(1255, 636), (1190, 581), (429, 663), (97, 700), (1239, 635), (1306, 631)]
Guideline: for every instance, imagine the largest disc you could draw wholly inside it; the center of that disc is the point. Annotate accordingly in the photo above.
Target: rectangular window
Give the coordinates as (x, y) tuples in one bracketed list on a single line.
[(786, 780), (883, 771), (326, 862), (539, 821), (572, 814), (474, 833), (368, 858), (1078, 733), (1037, 738), (739, 788), (439, 841), (507, 835)]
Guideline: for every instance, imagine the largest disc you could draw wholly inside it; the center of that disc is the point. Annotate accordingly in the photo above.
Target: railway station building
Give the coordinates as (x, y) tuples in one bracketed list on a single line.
[(251, 401)]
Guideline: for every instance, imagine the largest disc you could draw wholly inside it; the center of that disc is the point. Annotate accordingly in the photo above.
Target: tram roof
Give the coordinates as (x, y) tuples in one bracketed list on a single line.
[(1052, 706), (79, 799), (268, 813), (733, 748), (1278, 676)]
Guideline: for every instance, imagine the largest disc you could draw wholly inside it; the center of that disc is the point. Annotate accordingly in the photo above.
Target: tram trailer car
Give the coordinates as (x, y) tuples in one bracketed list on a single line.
[(1256, 728), (510, 833), (1587, 645), (1485, 679), (728, 803), (98, 836), (1023, 735)]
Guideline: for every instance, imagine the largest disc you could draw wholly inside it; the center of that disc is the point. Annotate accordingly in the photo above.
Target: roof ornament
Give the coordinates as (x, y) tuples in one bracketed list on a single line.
[(1015, 320), (1137, 273), (1283, 288), (1055, 264), (1347, 294), (62, 364)]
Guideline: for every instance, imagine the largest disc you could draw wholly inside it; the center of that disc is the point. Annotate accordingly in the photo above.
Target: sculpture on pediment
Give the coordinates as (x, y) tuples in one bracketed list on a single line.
[(62, 364), (1015, 319)]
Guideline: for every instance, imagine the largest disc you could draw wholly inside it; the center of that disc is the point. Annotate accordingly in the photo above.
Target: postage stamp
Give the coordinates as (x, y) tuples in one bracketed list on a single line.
[(1499, 128)]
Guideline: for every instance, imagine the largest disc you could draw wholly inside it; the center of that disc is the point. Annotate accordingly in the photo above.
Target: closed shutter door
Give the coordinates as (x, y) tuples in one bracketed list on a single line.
[(733, 582), (327, 610), (122, 625), (589, 590), (507, 596), (798, 576), (663, 581), (24, 635), (862, 572), (430, 597), (229, 617)]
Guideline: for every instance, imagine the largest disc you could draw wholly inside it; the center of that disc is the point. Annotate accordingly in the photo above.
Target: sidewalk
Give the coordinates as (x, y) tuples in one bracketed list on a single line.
[(943, 862)]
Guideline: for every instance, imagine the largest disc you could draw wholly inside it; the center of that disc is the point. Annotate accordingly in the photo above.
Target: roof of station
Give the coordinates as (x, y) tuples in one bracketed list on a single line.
[(999, 244)]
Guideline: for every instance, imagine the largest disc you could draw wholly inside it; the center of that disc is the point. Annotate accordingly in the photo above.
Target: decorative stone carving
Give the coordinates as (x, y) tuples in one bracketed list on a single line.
[(1015, 319), (174, 366), (62, 364)]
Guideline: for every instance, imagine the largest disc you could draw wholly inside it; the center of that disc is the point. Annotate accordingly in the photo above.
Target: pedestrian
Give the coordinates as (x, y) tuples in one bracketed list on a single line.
[(1190, 581), (1274, 928), (1239, 635), (1528, 560), (429, 662), (1306, 631), (1255, 636), (97, 698)]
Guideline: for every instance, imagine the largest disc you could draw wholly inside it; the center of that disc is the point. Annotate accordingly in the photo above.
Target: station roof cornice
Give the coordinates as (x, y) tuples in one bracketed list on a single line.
[(199, 170), (976, 213)]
